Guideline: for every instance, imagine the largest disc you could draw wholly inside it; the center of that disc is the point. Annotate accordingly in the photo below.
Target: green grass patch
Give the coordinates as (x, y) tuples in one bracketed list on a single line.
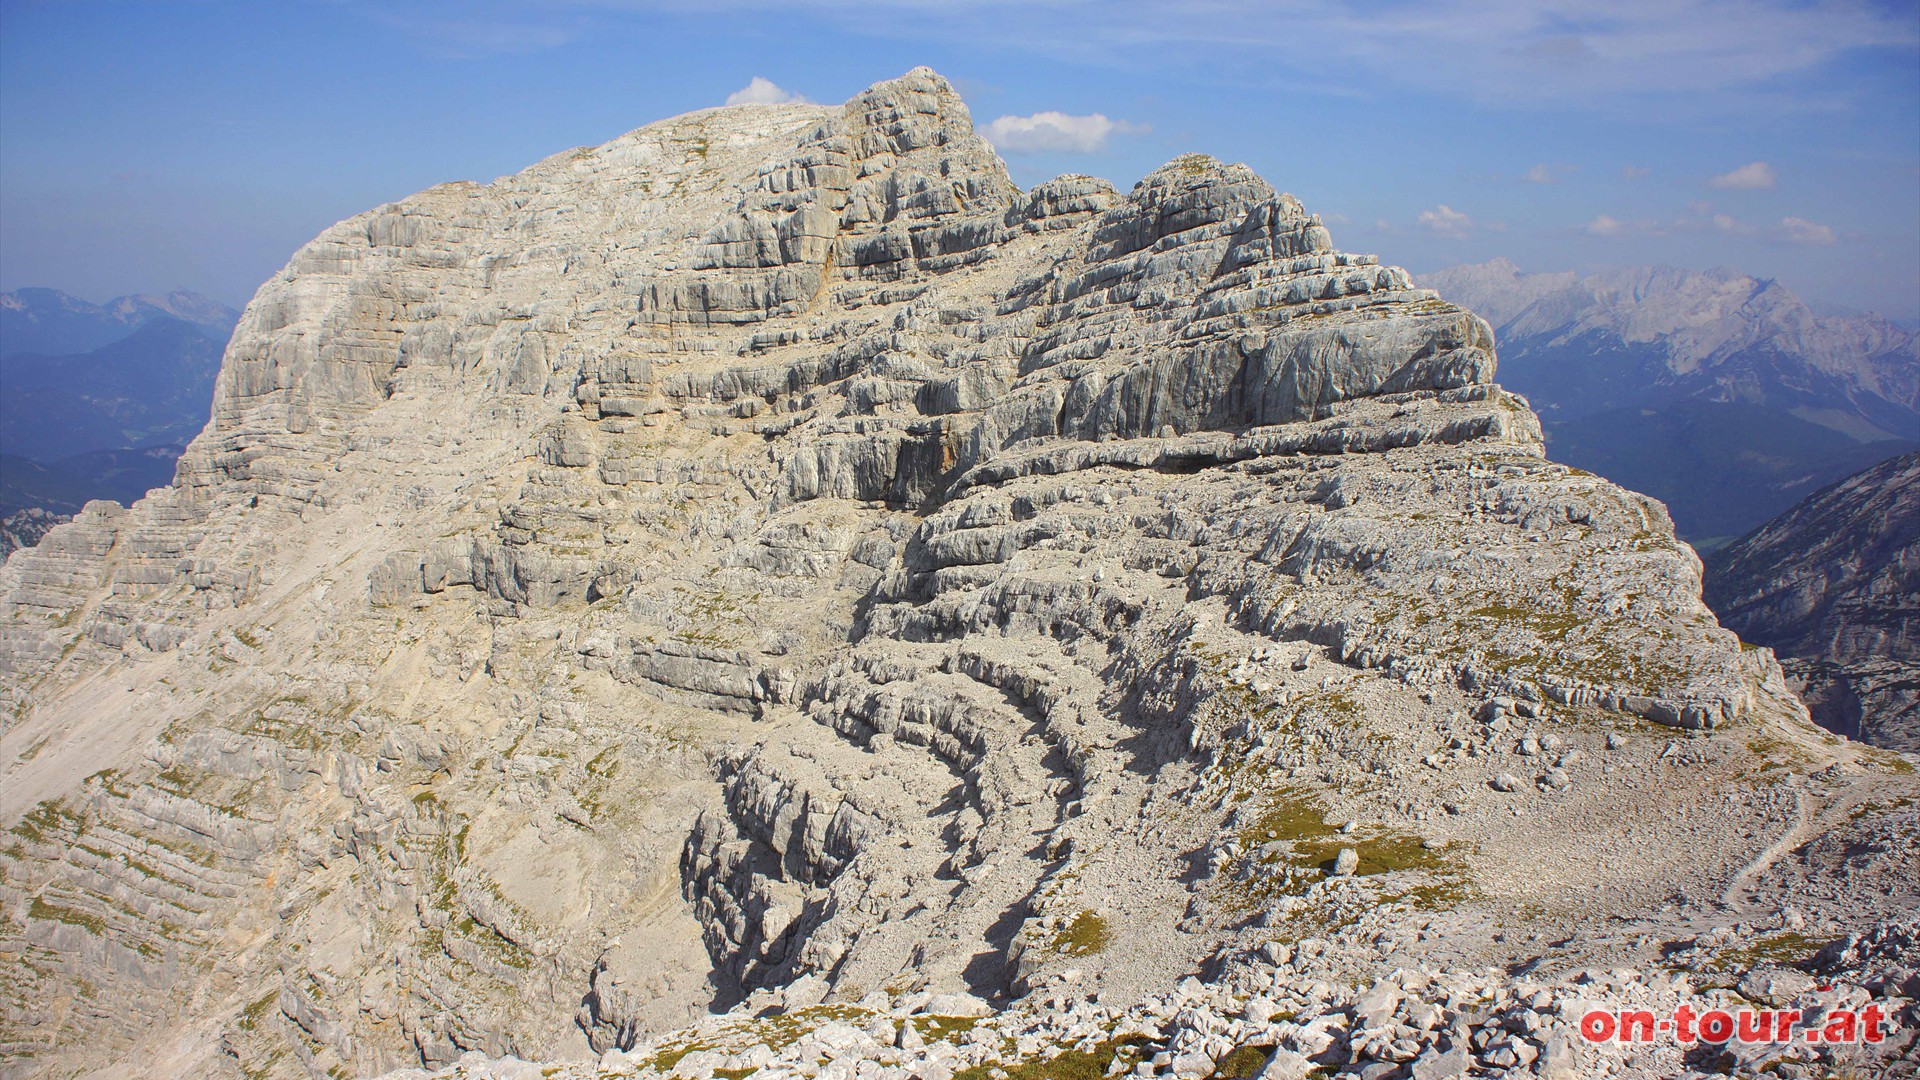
[(1551, 625), (1786, 948), (1086, 935), (50, 818), (257, 1010), (942, 1028), (1241, 1063), (46, 912), (1069, 1064), (1291, 839), (1777, 753), (778, 1032)]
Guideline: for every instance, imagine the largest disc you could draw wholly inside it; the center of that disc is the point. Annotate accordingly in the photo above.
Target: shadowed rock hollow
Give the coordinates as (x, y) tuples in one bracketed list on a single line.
[(771, 546)]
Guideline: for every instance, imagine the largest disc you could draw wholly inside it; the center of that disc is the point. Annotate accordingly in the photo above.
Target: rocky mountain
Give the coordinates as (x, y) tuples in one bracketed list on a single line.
[(1833, 586), (1783, 401), (52, 323), (770, 565)]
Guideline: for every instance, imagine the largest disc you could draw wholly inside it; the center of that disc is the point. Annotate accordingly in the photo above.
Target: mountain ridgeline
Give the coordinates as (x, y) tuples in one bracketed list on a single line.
[(770, 565), (1723, 395), (49, 322), (1833, 586)]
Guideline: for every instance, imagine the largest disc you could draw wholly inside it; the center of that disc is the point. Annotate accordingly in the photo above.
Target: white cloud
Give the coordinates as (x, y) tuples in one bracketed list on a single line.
[(1609, 226), (1546, 174), (1056, 132), (1634, 172), (1757, 174), (1445, 221), (1700, 217), (1801, 231), (761, 91)]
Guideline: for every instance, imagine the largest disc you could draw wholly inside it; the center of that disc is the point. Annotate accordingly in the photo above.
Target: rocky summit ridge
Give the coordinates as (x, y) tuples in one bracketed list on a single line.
[(771, 563)]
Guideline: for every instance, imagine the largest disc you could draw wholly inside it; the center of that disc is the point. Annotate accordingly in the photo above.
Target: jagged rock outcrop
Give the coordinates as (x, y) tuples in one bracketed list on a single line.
[(1833, 586), (771, 554), (1274, 1016)]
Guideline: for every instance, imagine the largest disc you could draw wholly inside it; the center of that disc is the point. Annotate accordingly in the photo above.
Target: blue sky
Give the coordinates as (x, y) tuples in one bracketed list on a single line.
[(196, 143)]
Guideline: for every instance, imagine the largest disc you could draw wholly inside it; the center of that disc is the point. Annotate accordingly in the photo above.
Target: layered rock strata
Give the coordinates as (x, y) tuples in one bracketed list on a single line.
[(772, 548)]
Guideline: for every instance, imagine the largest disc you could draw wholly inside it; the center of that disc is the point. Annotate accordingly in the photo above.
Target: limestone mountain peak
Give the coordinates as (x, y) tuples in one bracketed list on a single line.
[(770, 559)]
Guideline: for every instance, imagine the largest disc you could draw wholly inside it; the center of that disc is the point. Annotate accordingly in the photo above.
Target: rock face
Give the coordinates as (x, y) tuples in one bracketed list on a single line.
[(1833, 586), (1724, 395), (770, 559)]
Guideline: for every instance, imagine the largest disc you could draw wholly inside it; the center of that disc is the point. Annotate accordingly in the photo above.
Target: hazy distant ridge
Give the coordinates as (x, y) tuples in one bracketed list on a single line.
[(55, 323), (1718, 335), (1722, 394)]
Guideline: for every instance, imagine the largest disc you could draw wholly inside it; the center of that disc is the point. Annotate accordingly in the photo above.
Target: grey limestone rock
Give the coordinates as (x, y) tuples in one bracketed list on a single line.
[(768, 561)]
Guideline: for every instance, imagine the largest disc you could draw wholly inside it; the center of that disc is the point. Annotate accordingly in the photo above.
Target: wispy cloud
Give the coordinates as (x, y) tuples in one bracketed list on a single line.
[(477, 39), (1756, 174), (762, 91), (1056, 132), (1607, 225), (1703, 218), (1444, 220), (1514, 52), (1634, 172), (1546, 174), (1801, 231)]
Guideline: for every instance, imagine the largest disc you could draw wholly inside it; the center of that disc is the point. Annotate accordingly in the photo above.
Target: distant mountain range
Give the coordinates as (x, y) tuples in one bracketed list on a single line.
[(1833, 586), (97, 400), (50, 322), (1722, 394)]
